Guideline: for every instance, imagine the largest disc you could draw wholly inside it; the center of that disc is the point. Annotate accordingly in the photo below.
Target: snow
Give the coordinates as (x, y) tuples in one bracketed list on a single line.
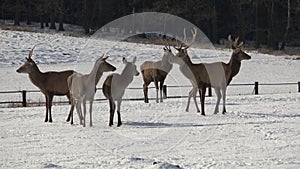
[(259, 131)]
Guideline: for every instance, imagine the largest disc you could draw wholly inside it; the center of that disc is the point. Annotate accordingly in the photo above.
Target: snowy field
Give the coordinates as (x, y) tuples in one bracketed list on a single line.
[(259, 131)]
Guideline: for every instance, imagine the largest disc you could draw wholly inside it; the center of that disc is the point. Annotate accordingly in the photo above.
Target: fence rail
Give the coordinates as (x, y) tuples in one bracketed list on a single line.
[(255, 91)]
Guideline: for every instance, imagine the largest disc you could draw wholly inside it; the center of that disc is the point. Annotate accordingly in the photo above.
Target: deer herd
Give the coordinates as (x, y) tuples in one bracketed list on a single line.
[(80, 88)]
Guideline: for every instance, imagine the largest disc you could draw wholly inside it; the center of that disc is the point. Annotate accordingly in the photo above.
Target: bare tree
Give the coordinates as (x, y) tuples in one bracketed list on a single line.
[(287, 25), (17, 13), (61, 15)]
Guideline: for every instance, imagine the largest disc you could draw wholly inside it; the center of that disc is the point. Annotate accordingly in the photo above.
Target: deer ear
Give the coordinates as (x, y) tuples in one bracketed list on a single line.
[(134, 60), (105, 57), (124, 60)]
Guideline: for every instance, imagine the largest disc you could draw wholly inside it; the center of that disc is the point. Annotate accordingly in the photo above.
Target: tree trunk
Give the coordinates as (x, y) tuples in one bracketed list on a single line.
[(29, 8), (61, 15), (214, 30), (86, 16), (52, 14), (287, 25), (257, 37), (272, 40), (17, 13)]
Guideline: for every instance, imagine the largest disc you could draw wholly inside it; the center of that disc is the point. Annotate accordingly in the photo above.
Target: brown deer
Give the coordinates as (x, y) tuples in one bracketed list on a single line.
[(83, 88), (50, 83), (114, 87), (217, 75), (156, 72)]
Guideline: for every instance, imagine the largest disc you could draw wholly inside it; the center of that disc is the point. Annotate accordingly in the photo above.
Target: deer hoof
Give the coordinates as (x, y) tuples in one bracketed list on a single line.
[(203, 114), (119, 125)]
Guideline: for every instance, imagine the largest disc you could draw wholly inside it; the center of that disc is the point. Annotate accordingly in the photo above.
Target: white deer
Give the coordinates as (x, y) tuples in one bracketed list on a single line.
[(83, 88), (114, 88)]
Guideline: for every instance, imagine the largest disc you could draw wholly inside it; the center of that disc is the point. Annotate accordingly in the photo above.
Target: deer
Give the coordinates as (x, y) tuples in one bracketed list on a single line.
[(217, 75), (50, 83), (83, 88), (114, 88), (156, 72)]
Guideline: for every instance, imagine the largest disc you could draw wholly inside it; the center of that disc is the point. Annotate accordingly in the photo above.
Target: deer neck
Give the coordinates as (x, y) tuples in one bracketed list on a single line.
[(36, 76), (126, 77), (234, 67), (186, 69), (95, 75), (165, 64)]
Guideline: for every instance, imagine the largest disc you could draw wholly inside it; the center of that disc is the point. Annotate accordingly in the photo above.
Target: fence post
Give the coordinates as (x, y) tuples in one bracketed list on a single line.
[(209, 92), (164, 91), (256, 88), (24, 103), (298, 86)]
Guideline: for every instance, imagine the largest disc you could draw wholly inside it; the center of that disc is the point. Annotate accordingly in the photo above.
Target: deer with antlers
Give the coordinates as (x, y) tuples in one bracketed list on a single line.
[(217, 75), (83, 88), (156, 72), (50, 83)]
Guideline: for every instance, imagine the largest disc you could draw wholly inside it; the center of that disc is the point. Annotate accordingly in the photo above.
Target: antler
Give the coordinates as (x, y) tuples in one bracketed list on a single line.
[(30, 53), (167, 45), (235, 43), (194, 33), (184, 44)]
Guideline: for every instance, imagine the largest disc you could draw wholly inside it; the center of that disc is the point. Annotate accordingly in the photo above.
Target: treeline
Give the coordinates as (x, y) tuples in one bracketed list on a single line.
[(273, 23)]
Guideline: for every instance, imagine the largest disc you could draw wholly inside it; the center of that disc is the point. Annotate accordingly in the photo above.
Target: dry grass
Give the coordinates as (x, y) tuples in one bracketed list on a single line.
[(18, 28)]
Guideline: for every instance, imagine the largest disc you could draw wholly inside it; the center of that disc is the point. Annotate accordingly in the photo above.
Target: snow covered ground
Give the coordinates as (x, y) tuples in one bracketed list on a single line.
[(259, 131)]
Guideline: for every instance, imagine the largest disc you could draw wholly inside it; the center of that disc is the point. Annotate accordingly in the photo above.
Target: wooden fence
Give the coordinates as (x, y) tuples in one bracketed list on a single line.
[(256, 85)]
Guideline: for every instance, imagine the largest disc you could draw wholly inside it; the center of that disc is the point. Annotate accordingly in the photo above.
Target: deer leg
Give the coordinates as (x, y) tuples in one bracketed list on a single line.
[(203, 91), (70, 116), (112, 106), (195, 100), (189, 99), (224, 99), (156, 87), (71, 109), (50, 106), (78, 109), (91, 107), (192, 93), (218, 93), (84, 111), (47, 107), (145, 86), (119, 113), (69, 98), (160, 90)]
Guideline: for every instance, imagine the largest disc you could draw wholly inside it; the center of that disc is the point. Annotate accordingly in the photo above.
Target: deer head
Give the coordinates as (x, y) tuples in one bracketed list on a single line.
[(29, 66), (103, 65), (130, 67), (167, 51), (182, 55), (238, 53)]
